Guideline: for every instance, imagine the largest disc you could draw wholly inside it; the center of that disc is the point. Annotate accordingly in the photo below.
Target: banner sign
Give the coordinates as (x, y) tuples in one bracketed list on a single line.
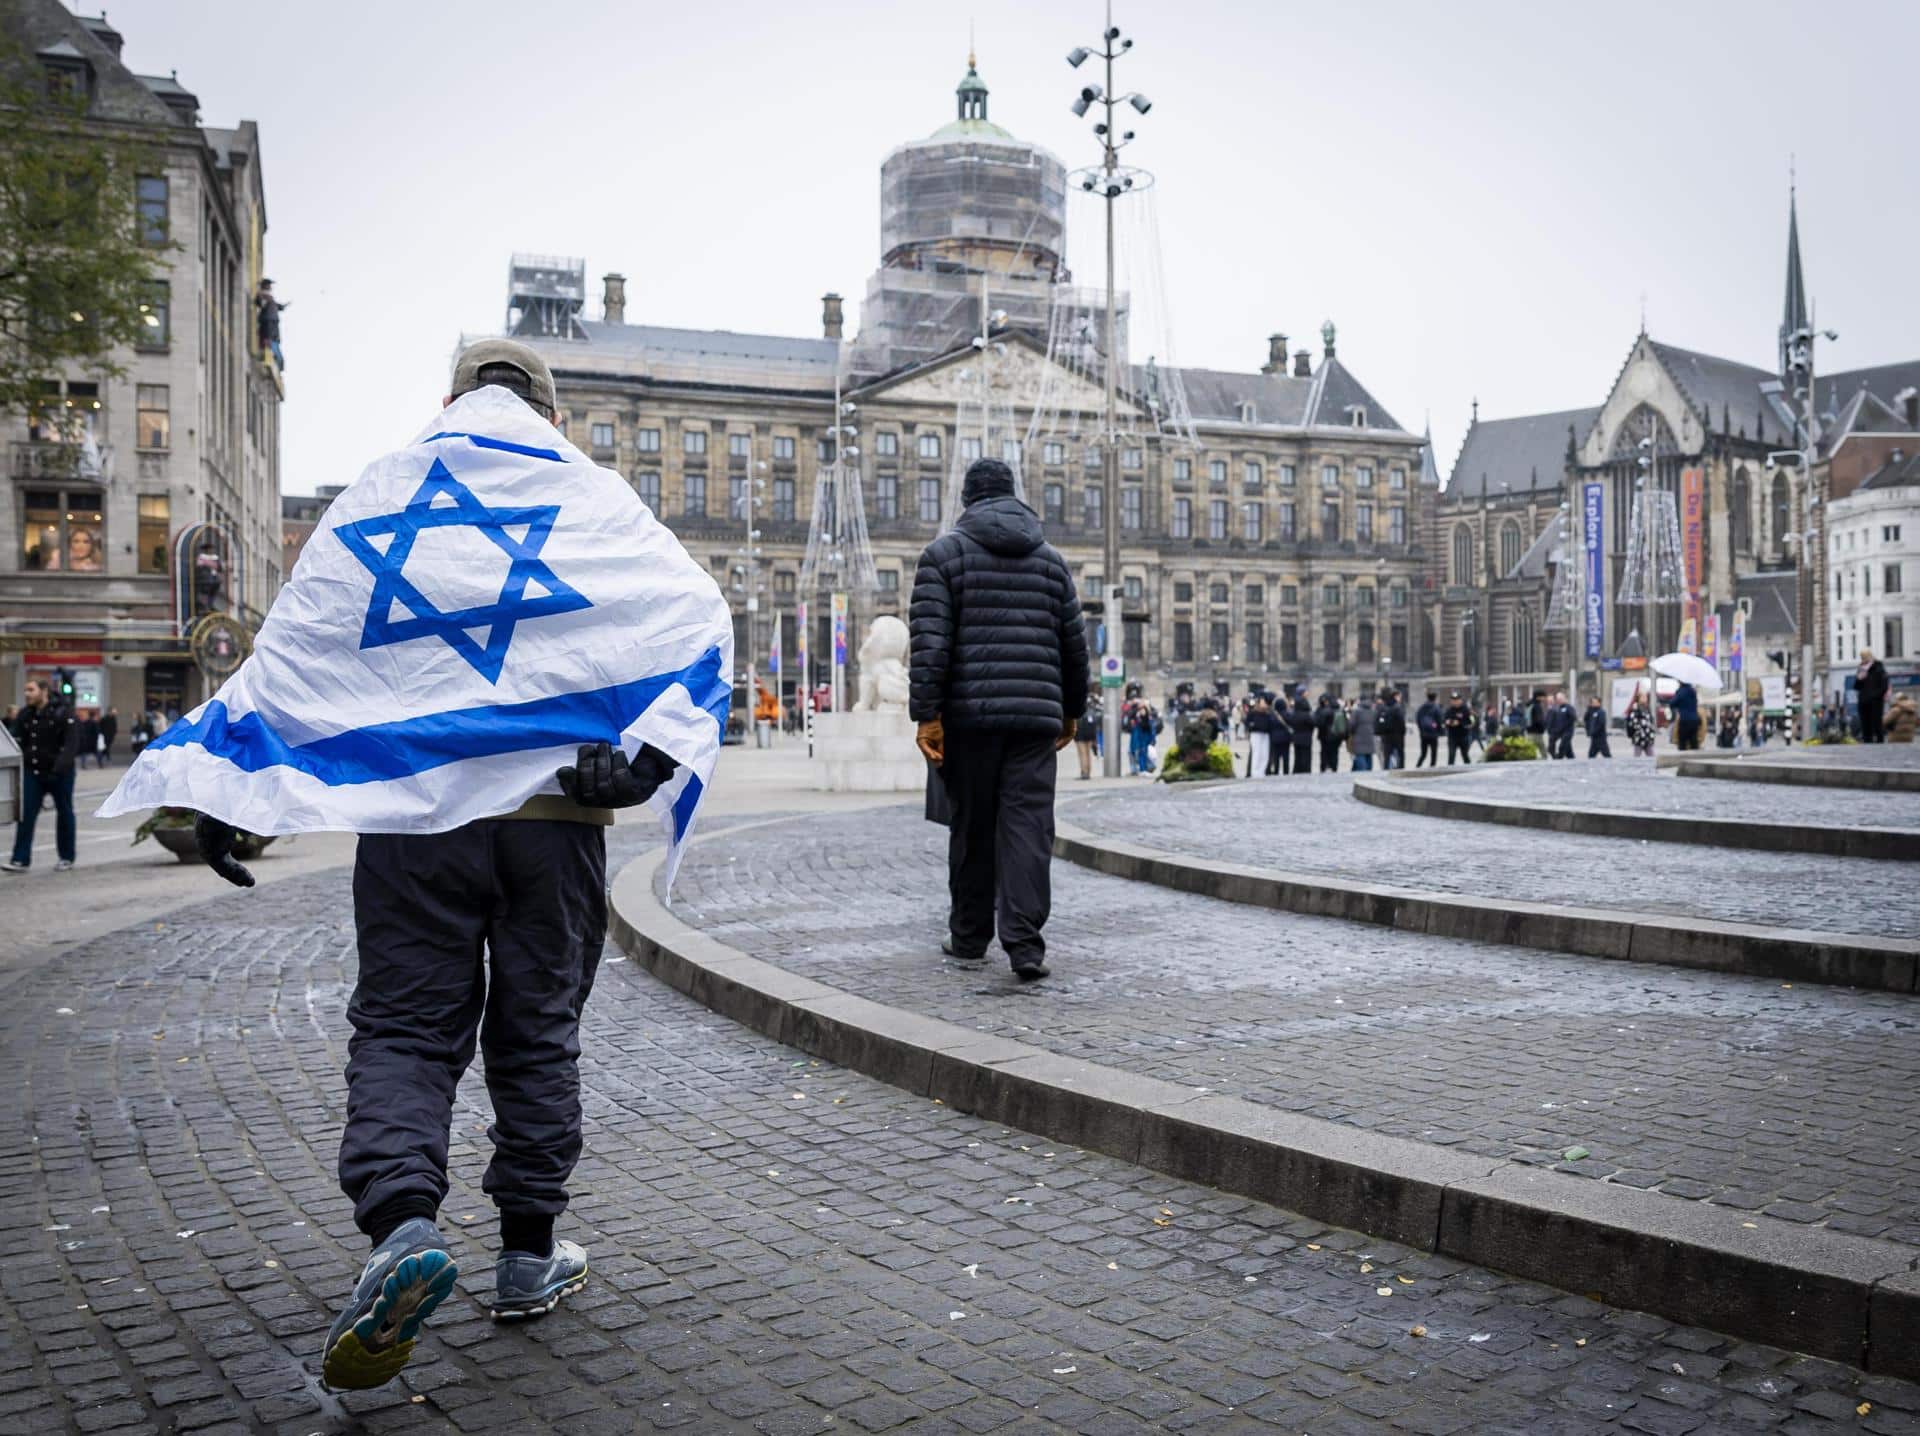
[(1688, 642), (1710, 639), (1592, 536), (839, 630), (803, 677), (1737, 643), (1693, 536)]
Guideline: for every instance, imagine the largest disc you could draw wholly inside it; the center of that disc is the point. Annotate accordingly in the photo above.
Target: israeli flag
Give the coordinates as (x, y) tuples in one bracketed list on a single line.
[(472, 609)]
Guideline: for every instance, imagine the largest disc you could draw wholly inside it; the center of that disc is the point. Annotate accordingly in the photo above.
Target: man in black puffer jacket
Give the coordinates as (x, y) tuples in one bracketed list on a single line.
[(999, 682)]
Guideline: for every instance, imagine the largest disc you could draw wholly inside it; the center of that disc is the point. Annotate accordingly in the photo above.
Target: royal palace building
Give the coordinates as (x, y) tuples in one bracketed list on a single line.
[(1271, 534), (140, 541)]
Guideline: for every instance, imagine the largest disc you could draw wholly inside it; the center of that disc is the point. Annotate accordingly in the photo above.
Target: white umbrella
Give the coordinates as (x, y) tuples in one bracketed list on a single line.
[(1688, 668)]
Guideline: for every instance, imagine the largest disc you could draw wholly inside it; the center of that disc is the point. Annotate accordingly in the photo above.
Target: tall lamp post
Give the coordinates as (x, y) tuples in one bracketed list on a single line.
[(1109, 179)]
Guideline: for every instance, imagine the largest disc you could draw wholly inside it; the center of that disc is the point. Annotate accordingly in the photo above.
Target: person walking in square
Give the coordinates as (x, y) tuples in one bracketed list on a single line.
[(1458, 722), (998, 684), (1595, 723), (49, 740), (109, 730), (1390, 722), (1870, 686), (483, 934), (1429, 720), (1362, 738)]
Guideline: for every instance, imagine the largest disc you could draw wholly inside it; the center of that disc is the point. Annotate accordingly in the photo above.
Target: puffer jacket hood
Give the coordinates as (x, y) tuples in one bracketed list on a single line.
[(1002, 525)]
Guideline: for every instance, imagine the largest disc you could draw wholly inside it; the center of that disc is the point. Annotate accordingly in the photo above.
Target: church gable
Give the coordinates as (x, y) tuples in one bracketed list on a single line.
[(1643, 379)]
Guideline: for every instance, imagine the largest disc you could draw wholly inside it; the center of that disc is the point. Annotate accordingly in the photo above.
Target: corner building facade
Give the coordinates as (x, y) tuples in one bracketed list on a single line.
[(1281, 544), (145, 501)]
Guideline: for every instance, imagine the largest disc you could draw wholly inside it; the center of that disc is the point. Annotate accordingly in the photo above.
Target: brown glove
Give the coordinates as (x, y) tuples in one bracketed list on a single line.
[(1068, 728), (932, 741)]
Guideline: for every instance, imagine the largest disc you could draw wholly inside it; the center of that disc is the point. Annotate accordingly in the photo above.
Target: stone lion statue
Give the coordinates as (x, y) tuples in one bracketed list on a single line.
[(883, 667)]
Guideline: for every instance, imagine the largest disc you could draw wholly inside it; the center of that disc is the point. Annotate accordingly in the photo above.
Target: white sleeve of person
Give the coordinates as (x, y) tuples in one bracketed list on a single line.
[(472, 609)]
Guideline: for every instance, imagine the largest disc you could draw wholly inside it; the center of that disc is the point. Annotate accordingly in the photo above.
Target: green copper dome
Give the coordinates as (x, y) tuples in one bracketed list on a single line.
[(971, 122)]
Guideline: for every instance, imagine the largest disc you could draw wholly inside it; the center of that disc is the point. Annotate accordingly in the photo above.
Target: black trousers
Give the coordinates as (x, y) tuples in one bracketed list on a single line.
[(1279, 746), (492, 930), (1000, 843), (1459, 748), (1597, 746), (1873, 720), (1330, 757), (1303, 758), (1429, 751)]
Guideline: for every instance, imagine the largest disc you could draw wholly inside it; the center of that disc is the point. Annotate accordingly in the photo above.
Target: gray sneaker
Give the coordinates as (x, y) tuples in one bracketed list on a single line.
[(525, 1285), (403, 1282)]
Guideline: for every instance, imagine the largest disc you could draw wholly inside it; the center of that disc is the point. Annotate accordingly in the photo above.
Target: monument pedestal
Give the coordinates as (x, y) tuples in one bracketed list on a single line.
[(867, 752)]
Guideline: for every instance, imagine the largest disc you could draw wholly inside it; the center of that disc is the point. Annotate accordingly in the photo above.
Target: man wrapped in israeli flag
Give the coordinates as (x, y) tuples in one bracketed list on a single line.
[(487, 645)]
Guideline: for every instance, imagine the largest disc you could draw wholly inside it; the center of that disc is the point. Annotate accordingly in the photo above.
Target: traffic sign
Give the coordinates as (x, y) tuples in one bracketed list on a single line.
[(1112, 673)]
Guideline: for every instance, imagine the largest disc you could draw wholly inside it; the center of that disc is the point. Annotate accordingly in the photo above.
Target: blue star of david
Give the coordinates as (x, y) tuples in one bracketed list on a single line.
[(442, 501)]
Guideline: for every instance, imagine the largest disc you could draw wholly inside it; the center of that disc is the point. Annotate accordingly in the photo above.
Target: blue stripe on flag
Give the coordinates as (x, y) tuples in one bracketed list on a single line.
[(384, 751), (688, 800), (482, 441)]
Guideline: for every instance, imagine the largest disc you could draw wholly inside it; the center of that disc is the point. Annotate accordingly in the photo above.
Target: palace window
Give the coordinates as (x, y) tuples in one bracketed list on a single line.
[(1130, 459), (1363, 638), (1510, 549), (1363, 476), (886, 496), (600, 436), (1256, 595), (1252, 474), (647, 441), (1130, 506), (1397, 524), (929, 501), (696, 494), (783, 447), (1216, 471), (1053, 452), (1329, 476), (646, 483), (1330, 595), (1462, 554), (1183, 642), (1092, 514), (1250, 521), (1363, 522), (1218, 593), (1286, 476), (1217, 519), (1056, 503), (1288, 522), (1330, 521), (886, 444), (1183, 471), (970, 450), (1329, 643), (929, 445), (1289, 643), (1182, 591), (1183, 518), (694, 441)]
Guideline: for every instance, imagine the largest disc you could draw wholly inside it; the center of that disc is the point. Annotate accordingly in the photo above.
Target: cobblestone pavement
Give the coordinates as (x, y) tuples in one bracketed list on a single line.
[(1316, 825), (778, 1246), (1793, 1100), (1635, 786)]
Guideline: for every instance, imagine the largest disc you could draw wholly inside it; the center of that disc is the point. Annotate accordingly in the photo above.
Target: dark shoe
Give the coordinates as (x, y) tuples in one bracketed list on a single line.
[(1030, 969), (946, 946), (526, 1286), (410, 1274)]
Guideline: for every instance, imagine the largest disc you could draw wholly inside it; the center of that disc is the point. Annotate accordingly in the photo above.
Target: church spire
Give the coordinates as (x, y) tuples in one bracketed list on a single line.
[(972, 90), (1794, 313)]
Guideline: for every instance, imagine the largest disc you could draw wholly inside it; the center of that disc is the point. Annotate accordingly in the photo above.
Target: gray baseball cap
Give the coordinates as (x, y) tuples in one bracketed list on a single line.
[(476, 356)]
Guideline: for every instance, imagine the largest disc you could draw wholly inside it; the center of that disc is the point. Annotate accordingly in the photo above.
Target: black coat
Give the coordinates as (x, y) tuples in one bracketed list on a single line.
[(1872, 688), (1596, 722), (1390, 722), (48, 739), (1560, 720), (1304, 722), (1428, 718), (998, 642)]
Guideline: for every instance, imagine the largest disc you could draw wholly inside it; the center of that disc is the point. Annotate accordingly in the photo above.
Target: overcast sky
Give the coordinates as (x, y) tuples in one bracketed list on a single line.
[(1478, 194)]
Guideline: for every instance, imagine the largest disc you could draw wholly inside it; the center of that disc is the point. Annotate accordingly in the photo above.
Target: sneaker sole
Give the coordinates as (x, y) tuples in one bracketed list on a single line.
[(540, 1306), (373, 1350)]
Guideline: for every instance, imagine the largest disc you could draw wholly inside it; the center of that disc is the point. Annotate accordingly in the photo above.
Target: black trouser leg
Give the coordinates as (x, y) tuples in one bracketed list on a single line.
[(421, 905), (545, 946), (1024, 839), (971, 771), (1457, 751), (1329, 757), (1429, 751), (1279, 751)]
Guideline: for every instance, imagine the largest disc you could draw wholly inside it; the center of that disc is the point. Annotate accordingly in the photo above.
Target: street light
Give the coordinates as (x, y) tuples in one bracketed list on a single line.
[(1110, 180)]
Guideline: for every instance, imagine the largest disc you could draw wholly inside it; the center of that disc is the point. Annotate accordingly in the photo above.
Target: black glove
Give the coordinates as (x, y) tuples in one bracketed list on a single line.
[(214, 839), (602, 778)]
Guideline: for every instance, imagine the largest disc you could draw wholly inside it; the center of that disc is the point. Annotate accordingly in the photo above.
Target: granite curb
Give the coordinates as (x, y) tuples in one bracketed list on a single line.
[(1806, 775), (1753, 950), (1894, 844), (1842, 1297)]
